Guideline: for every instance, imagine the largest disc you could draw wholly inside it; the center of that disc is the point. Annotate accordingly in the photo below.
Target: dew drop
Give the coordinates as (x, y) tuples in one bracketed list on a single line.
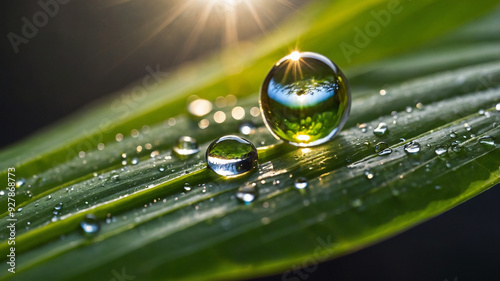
[(247, 128), (20, 182), (2, 193), (381, 130), (455, 146), (412, 147), (231, 156), (453, 135), (187, 187), (247, 193), (440, 150), (186, 146), (488, 140), (368, 174), (308, 105), (356, 203), (497, 107), (135, 161), (383, 149), (301, 183), (90, 225)]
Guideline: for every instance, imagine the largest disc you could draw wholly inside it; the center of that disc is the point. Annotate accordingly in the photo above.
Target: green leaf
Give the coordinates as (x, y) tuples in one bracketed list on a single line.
[(442, 94)]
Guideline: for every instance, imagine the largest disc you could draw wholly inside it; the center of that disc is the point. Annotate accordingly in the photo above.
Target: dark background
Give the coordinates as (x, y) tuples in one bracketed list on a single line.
[(93, 48)]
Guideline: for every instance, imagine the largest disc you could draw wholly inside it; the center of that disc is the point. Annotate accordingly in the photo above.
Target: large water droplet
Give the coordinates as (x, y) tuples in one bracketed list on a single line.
[(383, 149), (231, 156), (381, 130), (186, 146), (90, 225), (488, 140), (412, 147), (247, 193), (301, 183), (305, 99)]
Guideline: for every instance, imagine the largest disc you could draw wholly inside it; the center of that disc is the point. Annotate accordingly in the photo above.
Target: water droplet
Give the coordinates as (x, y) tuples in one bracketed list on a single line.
[(186, 146), (247, 128), (2, 193), (231, 156), (134, 161), (301, 183), (497, 107), (356, 203), (161, 169), (453, 135), (412, 147), (488, 140), (440, 150), (247, 193), (409, 109), (368, 174), (455, 146), (20, 182), (381, 130), (187, 186), (115, 177), (200, 107), (383, 149), (305, 99), (90, 225)]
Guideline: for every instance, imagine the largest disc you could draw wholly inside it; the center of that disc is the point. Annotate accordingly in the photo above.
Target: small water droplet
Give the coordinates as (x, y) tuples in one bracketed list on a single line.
[(187, 186), (20, 182), (50, 196), (497, 107), (231, 156), (455, 146), (186, 146), (90, 225), (488, 140), (437, 187), (381, 130), (2, 193), (200, 107), (115, 177), (134, 161), (409, 109), (306, 107), (412, 147), (453, 135), (161, 169), (368, 175), (382, 149), (301, 183), (247, 128), (247, 193), (440, 150), (356, 203)]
